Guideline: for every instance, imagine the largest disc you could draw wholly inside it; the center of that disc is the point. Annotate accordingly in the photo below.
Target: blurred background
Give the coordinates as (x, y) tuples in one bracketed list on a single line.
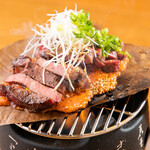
[(127, 19)]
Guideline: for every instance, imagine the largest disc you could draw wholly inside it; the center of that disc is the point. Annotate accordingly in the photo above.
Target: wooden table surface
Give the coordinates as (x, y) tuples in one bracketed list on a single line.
[(127, 19)]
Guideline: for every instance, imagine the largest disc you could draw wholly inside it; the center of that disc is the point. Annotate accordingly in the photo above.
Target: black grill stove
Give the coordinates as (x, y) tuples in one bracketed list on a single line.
[(116, 125)]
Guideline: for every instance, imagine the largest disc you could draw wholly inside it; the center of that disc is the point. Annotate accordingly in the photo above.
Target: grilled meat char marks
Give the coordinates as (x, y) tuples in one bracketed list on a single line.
[(21, 61), (34, 86), (58, 69), (25, 98), (53, 73), (111, 63), (25, 87), (25, 92), (35, 71), (51, 80)]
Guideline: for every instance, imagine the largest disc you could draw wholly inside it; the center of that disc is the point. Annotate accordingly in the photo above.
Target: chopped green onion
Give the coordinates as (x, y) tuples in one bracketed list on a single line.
[(27, 89), (85, 29)]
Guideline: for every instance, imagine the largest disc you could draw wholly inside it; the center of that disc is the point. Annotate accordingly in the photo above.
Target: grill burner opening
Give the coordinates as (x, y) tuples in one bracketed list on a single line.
[(92, 121)]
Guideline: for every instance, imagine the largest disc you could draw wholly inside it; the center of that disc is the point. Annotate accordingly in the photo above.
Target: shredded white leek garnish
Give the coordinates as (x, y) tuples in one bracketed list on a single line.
[(57, 34)]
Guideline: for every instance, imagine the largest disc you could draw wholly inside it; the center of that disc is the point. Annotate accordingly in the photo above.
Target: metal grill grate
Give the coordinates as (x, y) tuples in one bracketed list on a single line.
[(90, 122)]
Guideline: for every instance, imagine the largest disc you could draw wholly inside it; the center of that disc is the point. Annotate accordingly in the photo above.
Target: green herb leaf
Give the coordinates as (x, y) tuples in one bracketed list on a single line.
[(85, 29), (27, 89)]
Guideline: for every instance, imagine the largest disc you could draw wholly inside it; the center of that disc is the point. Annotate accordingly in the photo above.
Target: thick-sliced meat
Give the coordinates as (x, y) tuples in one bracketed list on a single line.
[(43, 52), (111, 65), (112, 55), (98, 63), (21, 64), (58, 69), (35, 71), (89, 57), (100, 54), (121, 56), (25, 98), (51, 80), (21, 61), (34, 86)]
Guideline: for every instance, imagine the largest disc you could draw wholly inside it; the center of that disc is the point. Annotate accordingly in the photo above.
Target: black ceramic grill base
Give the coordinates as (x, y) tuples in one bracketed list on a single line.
[(131, 136)]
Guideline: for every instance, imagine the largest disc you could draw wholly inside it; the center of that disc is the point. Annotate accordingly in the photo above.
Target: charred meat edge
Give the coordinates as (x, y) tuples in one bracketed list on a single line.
[(24, 98), (34, 86)]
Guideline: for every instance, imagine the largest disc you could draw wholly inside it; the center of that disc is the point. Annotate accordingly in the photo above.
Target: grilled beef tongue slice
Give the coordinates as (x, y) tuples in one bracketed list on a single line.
[(43, 52), (120, 56), (89, 57), (58, 69), (25, 98), (112, 55), (35, 71), (111, 65), (51, 80), (34, 86), (22, 61), (98, 63)]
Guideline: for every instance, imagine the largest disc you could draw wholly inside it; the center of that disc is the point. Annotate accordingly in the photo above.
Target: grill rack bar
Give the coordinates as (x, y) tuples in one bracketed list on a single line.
[(61, 126), (97, 120), (51, 127), (85, 124), (109, 116), (74, 125), (122, 112), (30, 126), (41, 127), (84, 131)]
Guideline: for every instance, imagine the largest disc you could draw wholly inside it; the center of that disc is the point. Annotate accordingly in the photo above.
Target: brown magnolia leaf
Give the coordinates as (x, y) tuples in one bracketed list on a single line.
[(136, 78)]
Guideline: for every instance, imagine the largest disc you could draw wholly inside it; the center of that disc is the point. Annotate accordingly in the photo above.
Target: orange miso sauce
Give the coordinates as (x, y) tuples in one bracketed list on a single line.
[(100, 82), (4, 101)]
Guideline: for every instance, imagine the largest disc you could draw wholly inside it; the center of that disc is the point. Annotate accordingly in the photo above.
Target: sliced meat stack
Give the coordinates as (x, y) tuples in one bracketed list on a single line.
[(24, 98), (25, 92), (52, 73), (111, 63), (32, 83), (27, 89), (35, 71)]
